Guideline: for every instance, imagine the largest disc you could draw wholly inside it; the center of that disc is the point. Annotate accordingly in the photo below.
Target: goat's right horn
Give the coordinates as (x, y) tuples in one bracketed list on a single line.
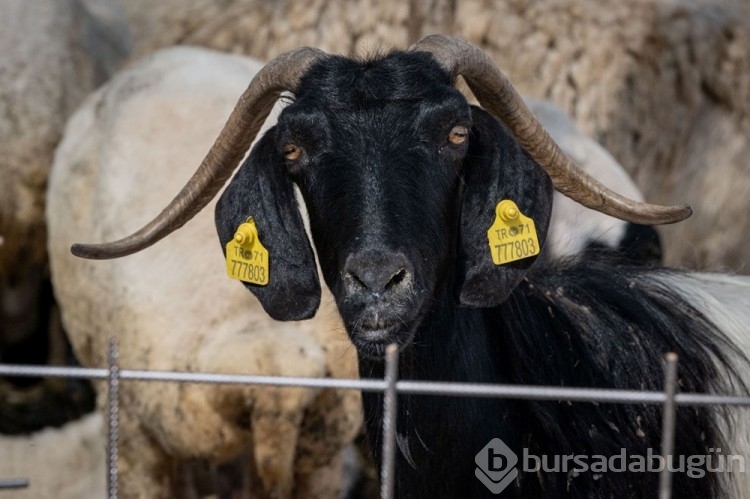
[(494, 92), (281, 74)]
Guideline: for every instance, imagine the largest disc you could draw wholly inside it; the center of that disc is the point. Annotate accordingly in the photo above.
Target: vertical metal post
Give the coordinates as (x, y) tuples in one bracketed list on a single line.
[(113, 415), (390, 400), (668, 424)]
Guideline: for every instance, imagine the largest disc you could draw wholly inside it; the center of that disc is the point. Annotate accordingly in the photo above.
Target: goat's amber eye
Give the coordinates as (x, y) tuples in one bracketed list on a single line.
[(458, 135), (292, 152)]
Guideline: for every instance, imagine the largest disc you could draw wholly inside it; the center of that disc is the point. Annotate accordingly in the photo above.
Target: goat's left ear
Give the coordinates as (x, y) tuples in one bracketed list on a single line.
[(496, 168), (261, 189)]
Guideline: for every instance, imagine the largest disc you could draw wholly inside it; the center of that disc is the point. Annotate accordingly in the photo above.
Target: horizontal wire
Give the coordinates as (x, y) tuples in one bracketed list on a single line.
[(522, 392)]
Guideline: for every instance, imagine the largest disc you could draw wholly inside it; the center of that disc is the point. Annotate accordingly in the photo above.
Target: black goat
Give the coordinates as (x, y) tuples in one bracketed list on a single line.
[(401, 178)]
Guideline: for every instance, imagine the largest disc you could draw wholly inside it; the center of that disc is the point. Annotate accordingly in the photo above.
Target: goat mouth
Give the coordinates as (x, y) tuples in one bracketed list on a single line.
[(372, 327), (371, 342)]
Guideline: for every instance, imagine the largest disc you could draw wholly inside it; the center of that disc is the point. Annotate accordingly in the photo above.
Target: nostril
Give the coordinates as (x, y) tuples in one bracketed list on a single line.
[(354, 278), (396, 279)]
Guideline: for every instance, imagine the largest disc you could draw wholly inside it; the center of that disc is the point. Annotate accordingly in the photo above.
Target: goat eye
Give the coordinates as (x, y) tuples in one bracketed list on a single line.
[(458, 135), (292, 152)]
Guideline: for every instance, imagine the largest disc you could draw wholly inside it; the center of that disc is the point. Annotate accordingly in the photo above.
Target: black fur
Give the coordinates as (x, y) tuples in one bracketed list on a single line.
[(496, 168), (639, 244), (392, 202), (594, 323), (261, 189)]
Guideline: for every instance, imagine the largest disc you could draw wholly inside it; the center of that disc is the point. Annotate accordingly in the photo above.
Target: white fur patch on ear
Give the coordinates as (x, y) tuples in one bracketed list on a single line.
[(306, 222), (326, 296), (303, 211)]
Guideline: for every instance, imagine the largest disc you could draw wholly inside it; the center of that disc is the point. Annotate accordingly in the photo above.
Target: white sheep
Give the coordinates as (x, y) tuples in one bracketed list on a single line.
[(59, 463), (173, 307)]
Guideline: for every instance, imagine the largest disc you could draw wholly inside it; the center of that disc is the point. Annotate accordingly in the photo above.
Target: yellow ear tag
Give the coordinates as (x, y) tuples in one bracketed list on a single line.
[(247, 259), (513, 236)]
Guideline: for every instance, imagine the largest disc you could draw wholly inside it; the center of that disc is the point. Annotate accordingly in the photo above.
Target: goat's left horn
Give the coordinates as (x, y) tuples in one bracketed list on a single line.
[(495, 93), (281, 74)]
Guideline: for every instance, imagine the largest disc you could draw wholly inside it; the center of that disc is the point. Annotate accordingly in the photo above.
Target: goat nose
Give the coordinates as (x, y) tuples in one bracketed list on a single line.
[(377, 272)]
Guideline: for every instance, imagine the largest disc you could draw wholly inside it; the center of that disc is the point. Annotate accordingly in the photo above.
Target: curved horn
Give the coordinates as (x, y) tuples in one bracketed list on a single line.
[(281, 74), (496, 94)]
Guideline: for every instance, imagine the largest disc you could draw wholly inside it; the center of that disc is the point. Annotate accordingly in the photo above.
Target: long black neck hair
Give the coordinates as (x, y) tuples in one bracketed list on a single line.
[(595, 322)]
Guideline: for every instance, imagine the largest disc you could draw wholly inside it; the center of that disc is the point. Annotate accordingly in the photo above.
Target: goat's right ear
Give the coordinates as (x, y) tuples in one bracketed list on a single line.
[(261, 189), (496, 168)]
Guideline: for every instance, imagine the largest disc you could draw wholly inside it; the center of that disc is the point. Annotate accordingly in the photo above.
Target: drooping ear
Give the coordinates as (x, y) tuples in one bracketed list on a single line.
[(261, 189), (496, 168)]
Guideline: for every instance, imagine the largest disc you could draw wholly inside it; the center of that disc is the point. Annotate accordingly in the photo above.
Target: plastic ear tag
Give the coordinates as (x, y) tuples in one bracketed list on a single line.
[(513, 236), (247, 259)]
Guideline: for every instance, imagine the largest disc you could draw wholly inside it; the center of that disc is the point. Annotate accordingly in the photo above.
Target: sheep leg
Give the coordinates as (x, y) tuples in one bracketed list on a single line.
[(321, 483), (275, 433), (146, 471)]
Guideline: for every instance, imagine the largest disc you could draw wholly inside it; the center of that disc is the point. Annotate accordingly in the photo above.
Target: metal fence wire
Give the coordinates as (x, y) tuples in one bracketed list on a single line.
[(391, 387)]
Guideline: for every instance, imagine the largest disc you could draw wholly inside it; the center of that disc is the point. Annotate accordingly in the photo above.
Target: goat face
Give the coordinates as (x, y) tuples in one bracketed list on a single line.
[(400, 178)]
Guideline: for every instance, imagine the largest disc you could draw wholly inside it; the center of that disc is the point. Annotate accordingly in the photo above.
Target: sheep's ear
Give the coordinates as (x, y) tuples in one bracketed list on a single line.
[(496, 168), (262, 190)]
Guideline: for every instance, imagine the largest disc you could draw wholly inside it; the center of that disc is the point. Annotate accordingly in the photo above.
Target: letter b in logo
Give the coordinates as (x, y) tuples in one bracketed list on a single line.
[(496, 466)]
